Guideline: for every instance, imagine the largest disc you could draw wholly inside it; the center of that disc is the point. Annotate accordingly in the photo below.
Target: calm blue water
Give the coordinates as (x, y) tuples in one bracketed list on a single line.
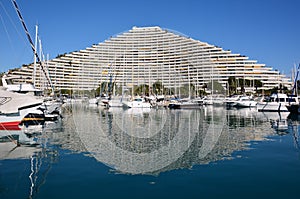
[(207, 153)]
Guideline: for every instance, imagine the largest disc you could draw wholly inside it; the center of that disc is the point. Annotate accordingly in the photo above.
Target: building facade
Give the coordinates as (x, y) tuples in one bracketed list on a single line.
[(145, 55)]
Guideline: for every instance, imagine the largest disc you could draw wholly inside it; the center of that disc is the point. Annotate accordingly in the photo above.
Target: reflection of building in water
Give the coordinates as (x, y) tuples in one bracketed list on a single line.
[(152, 141)]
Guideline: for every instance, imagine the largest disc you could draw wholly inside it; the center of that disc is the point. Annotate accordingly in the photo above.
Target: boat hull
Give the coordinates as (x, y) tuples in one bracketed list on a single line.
[(136, 103), (184, 106), (272, 107), (294, 108), (246, 104), (12, 125), (133, 104)]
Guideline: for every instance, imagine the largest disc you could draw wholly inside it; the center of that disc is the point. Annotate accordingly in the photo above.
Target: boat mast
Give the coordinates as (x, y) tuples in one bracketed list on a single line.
[(31, 43), (34, 59), (294, 91), (189, 82)]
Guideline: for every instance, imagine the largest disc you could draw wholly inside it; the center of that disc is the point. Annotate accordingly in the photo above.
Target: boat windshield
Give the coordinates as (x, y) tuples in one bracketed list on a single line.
[(280, 100), (291, 99)]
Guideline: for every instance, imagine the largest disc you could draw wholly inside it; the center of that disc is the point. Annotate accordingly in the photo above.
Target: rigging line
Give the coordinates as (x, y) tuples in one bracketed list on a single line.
[(295, 81), (6, 31), (31, 43), (17, 57), (12, 22)]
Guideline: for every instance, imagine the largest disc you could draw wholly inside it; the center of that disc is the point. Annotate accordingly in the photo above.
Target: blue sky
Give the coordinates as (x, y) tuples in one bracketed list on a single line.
[(263, 30)]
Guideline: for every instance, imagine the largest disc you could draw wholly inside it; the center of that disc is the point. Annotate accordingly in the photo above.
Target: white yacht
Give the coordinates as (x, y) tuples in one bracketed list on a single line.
[(137, 102), (94, 100), (50, 105), (113, 102), (8, 83), (14, 107), (245, 102), (231, 101), (185, 104), (278, 102)]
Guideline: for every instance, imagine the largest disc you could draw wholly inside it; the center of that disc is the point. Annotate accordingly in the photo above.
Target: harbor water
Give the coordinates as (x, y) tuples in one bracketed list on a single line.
[(210, 152)]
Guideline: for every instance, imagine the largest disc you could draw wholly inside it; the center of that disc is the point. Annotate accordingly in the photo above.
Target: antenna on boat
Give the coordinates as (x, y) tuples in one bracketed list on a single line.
[(31, 43)]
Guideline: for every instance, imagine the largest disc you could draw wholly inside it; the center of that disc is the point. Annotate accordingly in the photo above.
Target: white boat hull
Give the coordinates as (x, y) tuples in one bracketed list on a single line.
[(271, 107), (14, 107), (12, 121), (136, 104), (245, 104)]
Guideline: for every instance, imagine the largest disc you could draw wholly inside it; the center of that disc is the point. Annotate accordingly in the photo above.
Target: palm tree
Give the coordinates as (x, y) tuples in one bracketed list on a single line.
[(157, 87), (232, 85)]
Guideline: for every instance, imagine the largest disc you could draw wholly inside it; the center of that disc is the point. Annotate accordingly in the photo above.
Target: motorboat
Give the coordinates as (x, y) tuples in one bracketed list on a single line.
[(245, 102), (207, 100), (94, 100), (113, 102), (277, 102), (14, 107), (48, 110), (8, 83), (215, 100), (185, 104), (231, 101), (137, 102), (294, 108)]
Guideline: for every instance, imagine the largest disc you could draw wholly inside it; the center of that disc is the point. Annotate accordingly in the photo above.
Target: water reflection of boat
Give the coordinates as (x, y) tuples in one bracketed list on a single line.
[(278, 120), (280, 125), (36, 164), (15, 144), (273, 115), (137, 111), (10, 151), (16, 136)]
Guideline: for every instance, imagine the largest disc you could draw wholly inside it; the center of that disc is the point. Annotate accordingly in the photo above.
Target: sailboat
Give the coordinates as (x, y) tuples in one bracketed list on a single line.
[(187, 103), (110, 99), (295, 107)]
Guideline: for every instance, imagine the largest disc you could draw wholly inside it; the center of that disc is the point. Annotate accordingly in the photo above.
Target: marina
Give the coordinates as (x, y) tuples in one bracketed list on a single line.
[(147, 113), (208, 152)]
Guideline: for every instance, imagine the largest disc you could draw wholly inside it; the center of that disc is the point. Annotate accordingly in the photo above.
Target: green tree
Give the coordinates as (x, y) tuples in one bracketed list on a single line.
[(142, 89), (216, 87), (158, 88), (257, 84)]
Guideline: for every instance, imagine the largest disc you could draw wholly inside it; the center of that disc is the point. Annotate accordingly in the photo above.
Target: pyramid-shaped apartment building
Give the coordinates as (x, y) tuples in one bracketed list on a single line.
[(145, 55)]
